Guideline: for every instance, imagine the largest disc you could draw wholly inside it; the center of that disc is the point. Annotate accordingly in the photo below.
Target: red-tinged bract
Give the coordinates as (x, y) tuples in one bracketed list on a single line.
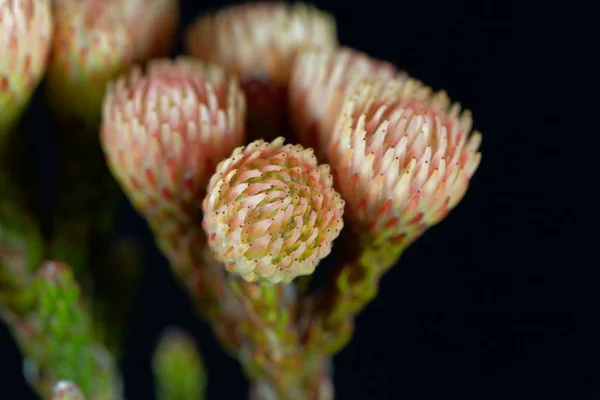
[(271, 212), (165, 130), (25, 32), (401, 165)]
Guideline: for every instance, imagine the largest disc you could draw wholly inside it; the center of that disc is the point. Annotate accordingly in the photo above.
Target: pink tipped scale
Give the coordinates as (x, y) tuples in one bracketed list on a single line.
[(320, 83), (258, 42), (165, 130), (401, 164)]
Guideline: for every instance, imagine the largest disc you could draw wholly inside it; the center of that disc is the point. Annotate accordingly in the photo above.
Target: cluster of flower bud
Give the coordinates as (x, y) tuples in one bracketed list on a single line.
[(400, 155)]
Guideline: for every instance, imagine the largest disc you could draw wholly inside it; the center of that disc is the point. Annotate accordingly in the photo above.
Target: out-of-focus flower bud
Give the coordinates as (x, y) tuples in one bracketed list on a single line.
[(258, 42), (271, 212), (165, 130), (95, 41), (25, 32), (260, 37), (401, 164)]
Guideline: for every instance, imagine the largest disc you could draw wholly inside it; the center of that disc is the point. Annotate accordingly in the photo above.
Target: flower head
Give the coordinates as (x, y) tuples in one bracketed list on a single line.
[(271, 212), (95, 41), (321, 81), (25, 31), (260, 37), (258, 43), (164, 132), (401, 164)]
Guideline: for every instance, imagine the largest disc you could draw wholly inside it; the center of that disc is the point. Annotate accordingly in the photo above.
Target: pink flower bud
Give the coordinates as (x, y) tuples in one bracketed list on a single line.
[(401, 164), (164, 132), (271, 212)]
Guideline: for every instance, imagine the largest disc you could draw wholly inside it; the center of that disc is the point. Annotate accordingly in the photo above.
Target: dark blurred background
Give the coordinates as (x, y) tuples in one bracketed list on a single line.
[(488, 304)]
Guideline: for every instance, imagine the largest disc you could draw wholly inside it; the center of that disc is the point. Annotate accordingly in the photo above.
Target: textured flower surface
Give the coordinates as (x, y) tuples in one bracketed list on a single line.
[(320, 82), (402, 164), (96, 40), (25, 31), (260, 37), (164, 132), (271, 212)]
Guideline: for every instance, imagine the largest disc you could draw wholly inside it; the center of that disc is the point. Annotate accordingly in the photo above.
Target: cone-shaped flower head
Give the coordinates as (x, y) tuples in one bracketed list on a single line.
[(260, 37), (401, 164), (164, 132), (95, 41), (271, 212), (25, 31), (321, 80)]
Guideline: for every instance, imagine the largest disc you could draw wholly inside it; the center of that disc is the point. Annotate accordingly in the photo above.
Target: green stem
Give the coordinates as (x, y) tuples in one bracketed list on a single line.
[(353, 285)]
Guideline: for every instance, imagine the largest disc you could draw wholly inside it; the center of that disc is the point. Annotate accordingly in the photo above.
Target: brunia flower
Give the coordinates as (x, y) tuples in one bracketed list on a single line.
[(95, 41), (322, 80), (164, 132), (401, 164), (25, 31), (271, 212), (260, 37)]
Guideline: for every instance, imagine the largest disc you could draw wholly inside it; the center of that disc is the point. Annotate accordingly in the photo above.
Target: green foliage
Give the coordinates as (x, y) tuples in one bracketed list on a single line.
[(64, 323)]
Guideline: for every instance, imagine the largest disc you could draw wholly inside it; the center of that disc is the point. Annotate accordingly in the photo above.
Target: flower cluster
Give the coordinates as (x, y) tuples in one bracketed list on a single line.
[(247, 157)]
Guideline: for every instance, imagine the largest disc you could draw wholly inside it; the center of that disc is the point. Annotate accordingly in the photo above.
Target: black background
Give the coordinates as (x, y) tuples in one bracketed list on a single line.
[(497, 301)]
